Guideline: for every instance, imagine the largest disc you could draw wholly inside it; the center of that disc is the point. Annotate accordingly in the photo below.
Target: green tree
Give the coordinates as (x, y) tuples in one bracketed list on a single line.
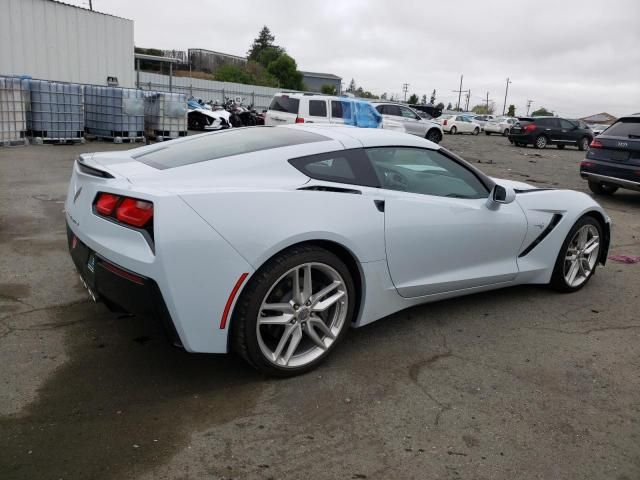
[(285, 69), (432, 101), (413, 99), (264, 40), (328, 89), (481, 109), (383, 96), (541, 112), (269, 54), (512, 111), (233, 73), (352, 86), (449, 106), (423, 101), (440, 106)]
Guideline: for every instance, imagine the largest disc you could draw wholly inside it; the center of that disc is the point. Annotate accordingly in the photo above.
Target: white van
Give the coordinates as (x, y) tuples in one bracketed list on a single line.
[(311, 108)]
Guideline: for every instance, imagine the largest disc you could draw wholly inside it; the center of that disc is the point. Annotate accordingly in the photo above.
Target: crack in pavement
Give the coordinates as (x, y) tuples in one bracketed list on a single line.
[(45, 326)]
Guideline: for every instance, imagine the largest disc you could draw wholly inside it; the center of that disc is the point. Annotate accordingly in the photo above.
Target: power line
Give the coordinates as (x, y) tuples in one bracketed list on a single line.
[(405, 89), (459, 92)]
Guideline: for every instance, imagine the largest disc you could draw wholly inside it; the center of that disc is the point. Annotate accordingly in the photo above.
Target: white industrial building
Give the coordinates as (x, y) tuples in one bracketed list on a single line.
[(51, 40)]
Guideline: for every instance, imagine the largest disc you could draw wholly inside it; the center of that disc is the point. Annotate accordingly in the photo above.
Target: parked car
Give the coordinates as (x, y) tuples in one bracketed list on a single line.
[(483, 119), (287, 108), (597, 129), (543, 131), (274, 241), (501, 125), (458, 124), (613, 159), (413, 123)]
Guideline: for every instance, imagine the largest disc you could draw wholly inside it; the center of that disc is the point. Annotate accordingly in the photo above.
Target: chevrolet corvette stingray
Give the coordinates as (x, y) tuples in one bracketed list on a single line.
[(273, 241)]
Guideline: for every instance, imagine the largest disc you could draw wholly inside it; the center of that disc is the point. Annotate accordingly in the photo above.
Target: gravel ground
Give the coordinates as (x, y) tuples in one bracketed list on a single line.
[(521, 383)]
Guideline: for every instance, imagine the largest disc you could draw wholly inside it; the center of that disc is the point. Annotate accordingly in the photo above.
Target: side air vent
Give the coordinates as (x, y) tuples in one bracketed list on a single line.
[(552, 224), (324, 188)]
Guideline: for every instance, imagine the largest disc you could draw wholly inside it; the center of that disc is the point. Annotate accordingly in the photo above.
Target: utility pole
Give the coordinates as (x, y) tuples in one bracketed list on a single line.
[(504, 107), (529, 102), (466, 108), (459, 92), (487, 111), (90, 5), (405, 89)]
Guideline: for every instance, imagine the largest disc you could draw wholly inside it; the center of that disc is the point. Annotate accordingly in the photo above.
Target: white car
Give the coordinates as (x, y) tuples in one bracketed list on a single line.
[(500, 125), (289, 108), (597, 129), (458, 124), (273, 241), (482, 120), (412, 121)]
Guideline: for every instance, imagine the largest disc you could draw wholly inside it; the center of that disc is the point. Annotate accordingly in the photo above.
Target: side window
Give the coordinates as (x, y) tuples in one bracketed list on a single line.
[(336, 109), (566, 124), (407, 113), (392, 110), (380, 108), (427, 172), (548, 122), (345, 166), (317, 108)]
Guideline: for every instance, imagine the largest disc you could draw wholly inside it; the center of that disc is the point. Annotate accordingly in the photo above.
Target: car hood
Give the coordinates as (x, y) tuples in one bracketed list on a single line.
[(514, 184)]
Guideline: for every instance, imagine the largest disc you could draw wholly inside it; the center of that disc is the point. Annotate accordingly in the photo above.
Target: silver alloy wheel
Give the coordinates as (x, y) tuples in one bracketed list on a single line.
[(302, 315), (541, 142), (585, 143), (582, 255)]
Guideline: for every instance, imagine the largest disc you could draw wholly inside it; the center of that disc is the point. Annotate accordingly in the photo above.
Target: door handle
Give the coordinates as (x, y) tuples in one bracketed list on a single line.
[(379, 205)]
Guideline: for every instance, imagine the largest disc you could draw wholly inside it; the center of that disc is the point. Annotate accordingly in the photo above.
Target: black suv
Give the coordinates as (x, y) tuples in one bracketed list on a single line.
[(613, 159), (543, 131)]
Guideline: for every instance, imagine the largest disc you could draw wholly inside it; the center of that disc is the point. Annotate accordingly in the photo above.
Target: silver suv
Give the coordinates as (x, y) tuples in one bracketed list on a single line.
[(413, 123)]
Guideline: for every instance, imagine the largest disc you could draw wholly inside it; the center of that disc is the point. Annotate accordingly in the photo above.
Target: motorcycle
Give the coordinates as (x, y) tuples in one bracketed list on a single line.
[(202, 116)]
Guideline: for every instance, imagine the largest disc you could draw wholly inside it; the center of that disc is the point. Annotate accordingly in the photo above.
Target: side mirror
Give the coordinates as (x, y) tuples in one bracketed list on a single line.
[(501, 194)]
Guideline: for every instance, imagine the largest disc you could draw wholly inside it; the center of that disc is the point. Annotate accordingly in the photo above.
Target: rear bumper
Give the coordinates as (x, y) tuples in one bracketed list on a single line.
[(120, 289), (618, 182), (522, 138)]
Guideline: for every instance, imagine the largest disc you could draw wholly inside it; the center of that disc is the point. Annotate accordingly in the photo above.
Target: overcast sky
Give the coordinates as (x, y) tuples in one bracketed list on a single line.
[(574, 57)]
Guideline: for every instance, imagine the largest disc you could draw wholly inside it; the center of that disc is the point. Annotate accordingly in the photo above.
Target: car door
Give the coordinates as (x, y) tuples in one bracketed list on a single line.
[(317, 112), (464, 124), (440, 233), (412, 122), (568, 131), (551, 128)]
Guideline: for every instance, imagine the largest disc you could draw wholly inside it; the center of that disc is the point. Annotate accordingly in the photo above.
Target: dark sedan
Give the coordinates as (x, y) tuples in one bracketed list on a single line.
[(613, 159)]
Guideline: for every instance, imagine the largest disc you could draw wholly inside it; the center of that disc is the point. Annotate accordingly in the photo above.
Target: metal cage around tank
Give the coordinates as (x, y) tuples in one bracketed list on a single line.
[(14, 103), (165, 115), (56, 113), (114, 113)]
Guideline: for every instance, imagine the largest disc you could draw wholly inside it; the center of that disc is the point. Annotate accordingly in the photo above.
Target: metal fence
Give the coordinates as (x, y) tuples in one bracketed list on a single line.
[(258, 96)]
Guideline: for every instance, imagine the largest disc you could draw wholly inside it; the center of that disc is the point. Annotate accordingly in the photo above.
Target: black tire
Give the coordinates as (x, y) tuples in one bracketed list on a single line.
[(560, 147), (487, 133), (244, 339), (558, 281), (540, 142), (434, 135), (476, 131), (583, 144), (506, 132), (453, 130), (600, 189)]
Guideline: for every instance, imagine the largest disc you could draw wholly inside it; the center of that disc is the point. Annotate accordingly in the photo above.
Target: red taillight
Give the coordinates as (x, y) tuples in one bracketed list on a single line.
[(134, 212), (586, 164), (106, 203), (445, 122), (529, 128), (596, 144), (299, 120)]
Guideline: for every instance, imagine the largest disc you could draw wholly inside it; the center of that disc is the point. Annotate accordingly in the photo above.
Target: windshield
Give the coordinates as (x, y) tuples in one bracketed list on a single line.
[(627, 127)]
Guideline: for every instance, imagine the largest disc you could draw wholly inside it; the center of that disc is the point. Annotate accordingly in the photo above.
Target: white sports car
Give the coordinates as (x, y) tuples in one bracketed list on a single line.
[(272, 241)]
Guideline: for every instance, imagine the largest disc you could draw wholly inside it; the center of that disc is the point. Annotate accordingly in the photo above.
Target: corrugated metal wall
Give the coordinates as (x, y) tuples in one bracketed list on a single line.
[(53, 41), (207, 90)]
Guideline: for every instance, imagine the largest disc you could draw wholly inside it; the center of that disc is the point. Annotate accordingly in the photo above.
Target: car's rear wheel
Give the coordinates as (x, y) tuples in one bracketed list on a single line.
[(560, 147), (506, 132), (434, 135), (601, 189), (294, 311), (453, 130), (578, 257), (583, 144), (540, 142), (476, 131)]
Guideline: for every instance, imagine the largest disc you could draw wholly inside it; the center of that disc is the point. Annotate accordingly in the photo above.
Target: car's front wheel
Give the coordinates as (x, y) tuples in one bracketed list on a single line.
[(294, 311), (601, 189), (476, 131), (434, 135), (578, 257), (487, 133)]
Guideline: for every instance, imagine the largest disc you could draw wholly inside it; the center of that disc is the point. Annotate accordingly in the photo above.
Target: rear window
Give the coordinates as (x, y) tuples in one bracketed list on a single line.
[(317, 108), (629, 127), (237, 141), (285, 104)]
